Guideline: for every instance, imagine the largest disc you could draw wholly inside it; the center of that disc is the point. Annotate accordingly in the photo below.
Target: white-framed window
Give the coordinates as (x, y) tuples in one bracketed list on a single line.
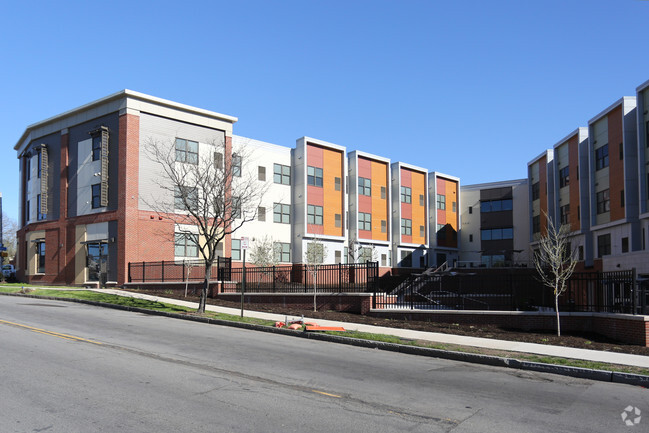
[(406, 227), (236, 249), (314, 176), (406, 194), (282, 174), (185, 245), (236, 165), (364, 221), (281, 213), (186, 151), (282, 252), (364, 186), (314, 215)]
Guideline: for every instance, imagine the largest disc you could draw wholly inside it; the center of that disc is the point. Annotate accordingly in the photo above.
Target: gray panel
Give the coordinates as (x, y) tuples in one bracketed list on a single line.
[(81, 132), (53, 143)]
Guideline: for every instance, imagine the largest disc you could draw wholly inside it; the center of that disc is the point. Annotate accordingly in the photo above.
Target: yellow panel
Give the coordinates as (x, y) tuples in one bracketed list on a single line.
[(333, 200)]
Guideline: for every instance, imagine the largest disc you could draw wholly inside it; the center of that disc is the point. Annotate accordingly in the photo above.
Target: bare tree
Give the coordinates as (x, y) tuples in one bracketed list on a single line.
[(209, 194), (361, 254), (264, 254), (9, 235), (554, 262), (314, 257)]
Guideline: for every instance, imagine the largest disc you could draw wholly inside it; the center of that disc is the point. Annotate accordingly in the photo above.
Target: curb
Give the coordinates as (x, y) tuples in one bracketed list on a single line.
[(494, 361)]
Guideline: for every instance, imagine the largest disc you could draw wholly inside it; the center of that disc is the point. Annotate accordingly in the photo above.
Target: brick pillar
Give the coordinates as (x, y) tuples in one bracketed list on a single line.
[(128, 174)]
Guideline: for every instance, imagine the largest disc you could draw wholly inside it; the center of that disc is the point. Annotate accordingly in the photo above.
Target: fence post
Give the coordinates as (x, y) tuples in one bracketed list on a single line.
[(217, 270), (634, 291), (274, 279), (129, 272), (340, 277), (163, 271), (305, 269), (144, 272)]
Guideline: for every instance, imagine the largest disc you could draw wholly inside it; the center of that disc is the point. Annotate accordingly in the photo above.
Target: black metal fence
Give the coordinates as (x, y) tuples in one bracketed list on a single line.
[(612, 292), (177, 271), (293, 278)]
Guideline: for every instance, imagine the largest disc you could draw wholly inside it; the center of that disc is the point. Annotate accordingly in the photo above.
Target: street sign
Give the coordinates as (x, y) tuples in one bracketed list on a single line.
[(3, 248), (245, 242)]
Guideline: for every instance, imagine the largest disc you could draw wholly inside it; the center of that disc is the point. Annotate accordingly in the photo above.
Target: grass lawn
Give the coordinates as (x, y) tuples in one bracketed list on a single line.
[(161, 306)]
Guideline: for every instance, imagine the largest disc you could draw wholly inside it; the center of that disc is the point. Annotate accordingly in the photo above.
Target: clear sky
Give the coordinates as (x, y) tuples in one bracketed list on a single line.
[(475, 89)]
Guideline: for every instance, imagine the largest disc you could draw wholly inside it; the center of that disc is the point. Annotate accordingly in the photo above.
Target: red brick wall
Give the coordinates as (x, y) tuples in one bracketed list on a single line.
[(128, 221)]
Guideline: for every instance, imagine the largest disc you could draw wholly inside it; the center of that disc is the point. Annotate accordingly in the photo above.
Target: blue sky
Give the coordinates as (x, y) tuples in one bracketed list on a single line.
[(474, 89)]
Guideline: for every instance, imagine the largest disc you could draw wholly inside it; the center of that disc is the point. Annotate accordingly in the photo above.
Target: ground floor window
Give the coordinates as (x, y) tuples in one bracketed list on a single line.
[(97, 260), (40, 257), (185, 245)]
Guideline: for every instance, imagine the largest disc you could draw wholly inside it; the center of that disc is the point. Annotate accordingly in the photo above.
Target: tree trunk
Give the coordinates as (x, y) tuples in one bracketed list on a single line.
[(556, 307), (206, 286), (315, 276)]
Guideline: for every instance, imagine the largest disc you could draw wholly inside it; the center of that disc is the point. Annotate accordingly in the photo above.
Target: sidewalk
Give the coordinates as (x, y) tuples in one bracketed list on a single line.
[(486, 343)]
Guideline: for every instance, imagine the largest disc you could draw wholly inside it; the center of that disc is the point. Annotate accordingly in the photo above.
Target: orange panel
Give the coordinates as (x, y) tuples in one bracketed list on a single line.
[(333, 200), (379, 205)]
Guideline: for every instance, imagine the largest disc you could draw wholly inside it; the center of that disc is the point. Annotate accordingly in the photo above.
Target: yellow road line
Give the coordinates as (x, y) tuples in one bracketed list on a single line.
[(51, 333), (326, 393)]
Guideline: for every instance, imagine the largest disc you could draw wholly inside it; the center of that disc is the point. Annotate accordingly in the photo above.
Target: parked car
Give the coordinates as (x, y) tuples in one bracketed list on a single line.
[(8, 272)]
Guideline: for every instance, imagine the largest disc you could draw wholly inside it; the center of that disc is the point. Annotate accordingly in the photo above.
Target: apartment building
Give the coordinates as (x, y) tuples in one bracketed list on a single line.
[(369, 209), (409, 215), (94, 198), (495, 224), (444, 215), (595, 180), (88, 188)]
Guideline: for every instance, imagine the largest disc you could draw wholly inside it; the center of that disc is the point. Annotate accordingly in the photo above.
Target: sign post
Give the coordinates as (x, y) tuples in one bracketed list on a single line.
[(244, 246)]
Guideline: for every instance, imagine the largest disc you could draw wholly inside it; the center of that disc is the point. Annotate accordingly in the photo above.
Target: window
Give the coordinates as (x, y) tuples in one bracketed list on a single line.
[(337, 257), (261, 173), (406, 194), (384, 226), (383, 192), (621, 152), (314, 176), (96, 147), (536, 224), (421, 200), (218, 160), (40, 164), (338, 220), (564, 177), (495, 205), (565, 214), (236, 249), (281, 213), (603, 202), (470, 238), (497, 234), (625, 245), (40, 257), (236, 207), (185, 245), (441, 202), (261, 214), (406, 227), (601, 157), (28, 167), (27, 211), (236, 165), (384, 260), (96, 195), (186, 151), (536, 191), (314, 215), (315, 252), (365, 255), (364, 186), (580, 252), (406, 259), (282, 174), (39, 213), (454, 206), (364, 221), (470, 209), (185, 198), (282, 252), (603, 245), (337, 183)]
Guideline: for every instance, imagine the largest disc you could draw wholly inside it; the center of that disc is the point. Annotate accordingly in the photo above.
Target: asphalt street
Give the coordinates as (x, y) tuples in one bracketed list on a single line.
[(67, 367)]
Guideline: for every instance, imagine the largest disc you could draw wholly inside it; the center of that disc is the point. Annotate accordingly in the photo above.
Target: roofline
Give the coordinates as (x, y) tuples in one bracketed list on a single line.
[(126, 93), (623, 100), (547, 153), (401, 164), (366, 155), (323, 143), (577, 132), (642, 86), (493, 184), (443, 175)]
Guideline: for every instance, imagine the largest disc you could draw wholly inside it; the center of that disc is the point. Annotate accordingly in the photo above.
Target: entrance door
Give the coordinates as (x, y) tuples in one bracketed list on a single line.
[(97, 261)]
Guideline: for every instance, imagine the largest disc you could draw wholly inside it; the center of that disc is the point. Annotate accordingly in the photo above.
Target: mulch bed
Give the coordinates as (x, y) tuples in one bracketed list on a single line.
[(578, 340)]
